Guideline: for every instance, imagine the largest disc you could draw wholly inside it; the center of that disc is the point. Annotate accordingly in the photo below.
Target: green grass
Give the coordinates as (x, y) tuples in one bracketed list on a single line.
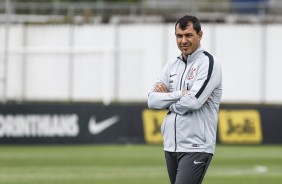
[(135, 164)]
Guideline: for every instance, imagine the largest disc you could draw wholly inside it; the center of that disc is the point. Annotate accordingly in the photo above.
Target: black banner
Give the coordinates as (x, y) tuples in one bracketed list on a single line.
[(70, 123), (80, 123)]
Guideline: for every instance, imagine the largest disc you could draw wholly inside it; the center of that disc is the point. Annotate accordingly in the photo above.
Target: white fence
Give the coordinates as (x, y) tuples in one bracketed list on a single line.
[(120, 62)]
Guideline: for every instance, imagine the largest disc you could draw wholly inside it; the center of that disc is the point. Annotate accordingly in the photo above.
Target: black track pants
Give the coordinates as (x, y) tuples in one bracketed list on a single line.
[(187, 168)]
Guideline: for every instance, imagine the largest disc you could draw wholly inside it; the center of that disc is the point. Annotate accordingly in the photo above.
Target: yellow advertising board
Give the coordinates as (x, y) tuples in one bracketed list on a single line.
[(235, 126), (240, 127), (152, 121)]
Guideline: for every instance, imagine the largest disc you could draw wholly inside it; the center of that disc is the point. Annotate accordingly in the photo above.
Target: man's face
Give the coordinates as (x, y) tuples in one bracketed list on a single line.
[(188, 40)]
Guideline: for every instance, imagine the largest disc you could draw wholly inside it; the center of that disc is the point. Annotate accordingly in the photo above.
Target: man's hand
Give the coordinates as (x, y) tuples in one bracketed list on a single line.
[(160, 88), (184, 92)]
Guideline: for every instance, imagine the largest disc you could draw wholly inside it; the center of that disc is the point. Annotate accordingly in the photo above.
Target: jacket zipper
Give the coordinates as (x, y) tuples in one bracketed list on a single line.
[(175, 140)]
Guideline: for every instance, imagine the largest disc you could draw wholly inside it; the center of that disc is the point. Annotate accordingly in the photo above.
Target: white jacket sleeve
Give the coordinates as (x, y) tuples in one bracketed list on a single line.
[(163, 100), (158, 100), (207, 80)]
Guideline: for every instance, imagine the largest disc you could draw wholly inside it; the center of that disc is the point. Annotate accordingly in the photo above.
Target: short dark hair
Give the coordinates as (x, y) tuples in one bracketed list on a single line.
[(184, 21)]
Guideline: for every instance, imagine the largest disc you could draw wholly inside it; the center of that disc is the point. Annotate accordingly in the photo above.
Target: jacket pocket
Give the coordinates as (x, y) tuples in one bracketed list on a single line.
[(194, 129), (204, 130), (164, 123)]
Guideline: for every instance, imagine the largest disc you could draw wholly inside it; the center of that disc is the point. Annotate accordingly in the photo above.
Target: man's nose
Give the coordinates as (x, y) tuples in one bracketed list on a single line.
[(184, 40)]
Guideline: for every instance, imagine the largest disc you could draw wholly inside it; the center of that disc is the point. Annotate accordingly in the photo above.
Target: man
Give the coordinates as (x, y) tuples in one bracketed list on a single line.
[(190, 88)]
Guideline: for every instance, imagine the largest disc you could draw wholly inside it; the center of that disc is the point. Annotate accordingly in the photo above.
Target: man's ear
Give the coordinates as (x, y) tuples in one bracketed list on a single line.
[(200, 35)]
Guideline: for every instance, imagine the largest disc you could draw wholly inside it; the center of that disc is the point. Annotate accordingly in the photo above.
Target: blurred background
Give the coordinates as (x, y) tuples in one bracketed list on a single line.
[(74, 51), (78, 73)]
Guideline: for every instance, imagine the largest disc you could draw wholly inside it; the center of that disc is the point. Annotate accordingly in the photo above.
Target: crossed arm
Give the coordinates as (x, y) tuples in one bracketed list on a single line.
[(180, 102), (183, 101), (161, 88)]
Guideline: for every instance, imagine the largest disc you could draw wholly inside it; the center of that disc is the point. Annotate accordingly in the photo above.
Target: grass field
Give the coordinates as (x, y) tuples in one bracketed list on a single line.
[(125, 164)]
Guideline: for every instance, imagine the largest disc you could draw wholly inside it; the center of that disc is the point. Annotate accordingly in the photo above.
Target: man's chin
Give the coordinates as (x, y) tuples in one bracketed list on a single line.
[(186, 52)]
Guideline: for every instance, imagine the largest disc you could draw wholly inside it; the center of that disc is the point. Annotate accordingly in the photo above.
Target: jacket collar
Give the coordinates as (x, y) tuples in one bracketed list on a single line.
[(192, 56)]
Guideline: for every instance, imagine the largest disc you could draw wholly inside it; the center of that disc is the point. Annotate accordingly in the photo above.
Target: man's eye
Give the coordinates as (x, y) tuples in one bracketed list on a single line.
[(179, 36)]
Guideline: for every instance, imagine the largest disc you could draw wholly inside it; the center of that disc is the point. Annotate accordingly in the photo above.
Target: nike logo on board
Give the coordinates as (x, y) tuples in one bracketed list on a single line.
[(98, 127)]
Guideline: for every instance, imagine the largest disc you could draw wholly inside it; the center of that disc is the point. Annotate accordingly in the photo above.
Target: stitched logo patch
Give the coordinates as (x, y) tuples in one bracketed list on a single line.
[(192, 73)]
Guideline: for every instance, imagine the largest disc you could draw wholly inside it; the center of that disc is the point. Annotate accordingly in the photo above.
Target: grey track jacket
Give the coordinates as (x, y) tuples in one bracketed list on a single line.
[(191, 122)]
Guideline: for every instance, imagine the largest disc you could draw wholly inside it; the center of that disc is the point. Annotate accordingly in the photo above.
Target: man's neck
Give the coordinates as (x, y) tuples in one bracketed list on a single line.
[(184, 57)]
